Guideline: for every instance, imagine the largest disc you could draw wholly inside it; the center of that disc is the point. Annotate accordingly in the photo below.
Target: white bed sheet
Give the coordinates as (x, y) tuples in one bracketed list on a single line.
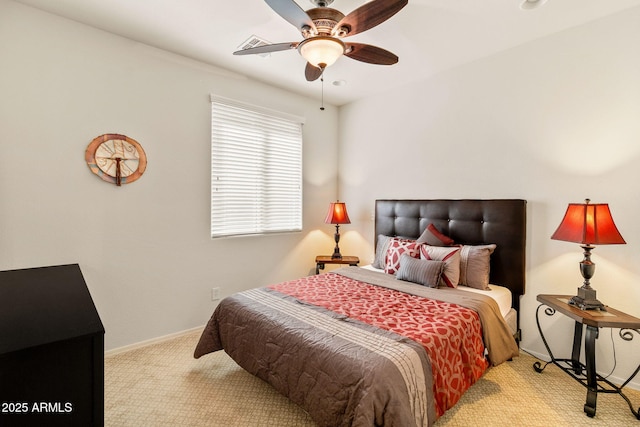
[(500, 294)]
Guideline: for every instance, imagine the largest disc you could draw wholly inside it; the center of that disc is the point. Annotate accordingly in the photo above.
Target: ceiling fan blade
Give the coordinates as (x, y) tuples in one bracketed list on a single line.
[(369, 15), (267, 48), (311, 72), (370, 54), (292, 12)]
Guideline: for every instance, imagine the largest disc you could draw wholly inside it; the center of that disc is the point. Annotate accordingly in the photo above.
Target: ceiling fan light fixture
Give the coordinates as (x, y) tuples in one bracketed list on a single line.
[(531, 4), (323, 50)]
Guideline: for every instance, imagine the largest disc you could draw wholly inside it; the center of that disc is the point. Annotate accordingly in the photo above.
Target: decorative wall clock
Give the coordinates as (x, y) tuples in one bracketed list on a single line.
[(116, 158)]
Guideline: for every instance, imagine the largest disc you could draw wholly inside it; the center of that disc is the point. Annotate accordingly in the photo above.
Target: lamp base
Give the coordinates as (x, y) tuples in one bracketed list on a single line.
[(336, 251), (586, 300)]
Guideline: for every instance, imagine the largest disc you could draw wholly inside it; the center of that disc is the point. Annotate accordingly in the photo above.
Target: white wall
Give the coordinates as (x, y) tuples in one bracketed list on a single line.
[(144, 248), (553, 121)]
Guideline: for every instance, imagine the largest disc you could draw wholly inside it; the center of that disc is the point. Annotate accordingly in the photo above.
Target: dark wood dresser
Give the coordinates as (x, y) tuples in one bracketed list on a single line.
[(51, 349)]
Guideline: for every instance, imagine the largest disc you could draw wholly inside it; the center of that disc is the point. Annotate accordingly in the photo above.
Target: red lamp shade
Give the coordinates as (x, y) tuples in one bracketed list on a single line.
[(337, 214), (588, 224)]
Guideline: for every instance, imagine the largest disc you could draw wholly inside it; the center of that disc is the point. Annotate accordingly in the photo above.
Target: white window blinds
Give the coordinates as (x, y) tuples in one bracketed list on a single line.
[(256, 170)]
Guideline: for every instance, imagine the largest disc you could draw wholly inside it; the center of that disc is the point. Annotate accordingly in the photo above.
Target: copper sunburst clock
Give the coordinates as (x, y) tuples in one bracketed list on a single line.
[(116, 159)]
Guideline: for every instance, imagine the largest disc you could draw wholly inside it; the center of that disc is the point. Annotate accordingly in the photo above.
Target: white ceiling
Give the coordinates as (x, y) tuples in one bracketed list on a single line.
[(429, 36)]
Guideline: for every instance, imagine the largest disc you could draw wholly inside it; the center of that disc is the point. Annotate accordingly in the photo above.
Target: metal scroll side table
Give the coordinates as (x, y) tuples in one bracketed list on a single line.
[(585, 373)]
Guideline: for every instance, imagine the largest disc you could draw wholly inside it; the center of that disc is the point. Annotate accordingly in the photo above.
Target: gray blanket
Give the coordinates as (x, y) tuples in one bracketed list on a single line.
[(343, 372)]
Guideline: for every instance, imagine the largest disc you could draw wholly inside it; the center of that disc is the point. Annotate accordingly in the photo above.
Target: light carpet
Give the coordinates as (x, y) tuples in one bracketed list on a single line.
[(163, 385)]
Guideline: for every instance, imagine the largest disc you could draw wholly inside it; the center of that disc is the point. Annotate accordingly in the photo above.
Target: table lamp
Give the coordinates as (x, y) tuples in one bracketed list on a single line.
[(337, 215), (588, 224)]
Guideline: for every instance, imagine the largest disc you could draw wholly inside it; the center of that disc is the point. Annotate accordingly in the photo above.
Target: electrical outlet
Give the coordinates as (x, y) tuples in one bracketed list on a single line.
[(215, 294)]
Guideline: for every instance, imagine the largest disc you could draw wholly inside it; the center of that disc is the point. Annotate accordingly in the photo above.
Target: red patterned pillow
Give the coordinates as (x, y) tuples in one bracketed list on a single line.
[(451, 256), (396, 248)]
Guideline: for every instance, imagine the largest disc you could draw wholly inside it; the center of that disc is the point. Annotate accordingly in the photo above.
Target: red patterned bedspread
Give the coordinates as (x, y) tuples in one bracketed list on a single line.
[(451, 334)]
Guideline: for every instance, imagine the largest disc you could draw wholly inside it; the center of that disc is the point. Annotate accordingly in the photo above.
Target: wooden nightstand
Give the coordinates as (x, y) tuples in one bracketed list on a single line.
[(593, 320), (321, 260)]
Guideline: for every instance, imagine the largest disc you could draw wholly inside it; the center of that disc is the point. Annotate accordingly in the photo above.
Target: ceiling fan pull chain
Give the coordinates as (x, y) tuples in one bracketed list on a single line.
[(322, 90)]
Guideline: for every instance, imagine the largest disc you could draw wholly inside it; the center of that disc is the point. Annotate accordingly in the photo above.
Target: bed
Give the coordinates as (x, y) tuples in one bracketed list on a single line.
[(358, 347)]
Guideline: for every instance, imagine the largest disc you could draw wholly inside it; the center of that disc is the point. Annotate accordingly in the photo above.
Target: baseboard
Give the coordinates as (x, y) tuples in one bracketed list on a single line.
[(535, 354), (614, 379), (152, 341)]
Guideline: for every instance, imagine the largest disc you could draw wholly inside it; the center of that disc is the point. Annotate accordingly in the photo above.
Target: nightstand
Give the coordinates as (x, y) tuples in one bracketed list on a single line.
[(586, 374), (51, 348), (321, 260)]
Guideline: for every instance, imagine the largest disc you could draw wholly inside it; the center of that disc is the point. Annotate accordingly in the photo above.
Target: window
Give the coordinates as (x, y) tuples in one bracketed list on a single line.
[(256, 170)]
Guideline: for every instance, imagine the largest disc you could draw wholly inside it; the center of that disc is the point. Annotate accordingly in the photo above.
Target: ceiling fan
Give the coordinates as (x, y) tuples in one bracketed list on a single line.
[(323, 29)]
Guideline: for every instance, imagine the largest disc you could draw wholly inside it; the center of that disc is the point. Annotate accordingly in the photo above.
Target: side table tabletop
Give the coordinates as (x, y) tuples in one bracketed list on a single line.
[(586, 373), (322, 260)]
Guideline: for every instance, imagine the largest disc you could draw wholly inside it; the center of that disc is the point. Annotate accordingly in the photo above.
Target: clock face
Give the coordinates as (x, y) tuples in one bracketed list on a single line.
[(115, 158)]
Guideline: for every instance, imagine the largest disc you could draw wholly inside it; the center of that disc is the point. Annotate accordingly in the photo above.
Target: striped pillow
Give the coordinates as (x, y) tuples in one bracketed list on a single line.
[(475, 265), (451, 256), (420, 271), (381, 251)]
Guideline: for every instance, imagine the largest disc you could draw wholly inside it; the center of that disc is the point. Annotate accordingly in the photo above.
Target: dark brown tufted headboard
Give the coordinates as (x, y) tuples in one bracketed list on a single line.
[(472, 222)]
